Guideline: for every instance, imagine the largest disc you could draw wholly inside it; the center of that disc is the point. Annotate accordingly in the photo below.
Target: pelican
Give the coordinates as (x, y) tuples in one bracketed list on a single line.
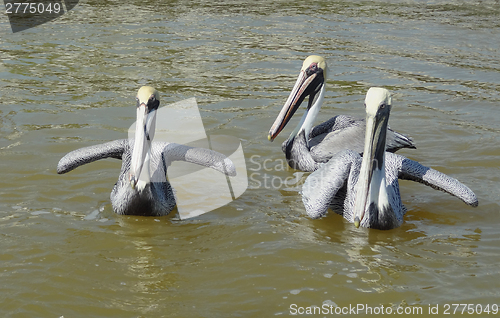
[(142, 187), (307, 147), (365, 190)]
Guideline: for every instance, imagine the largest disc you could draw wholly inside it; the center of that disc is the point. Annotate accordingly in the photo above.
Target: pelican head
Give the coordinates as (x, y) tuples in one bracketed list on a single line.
[(148, 100), (371, 184), (311, 80)]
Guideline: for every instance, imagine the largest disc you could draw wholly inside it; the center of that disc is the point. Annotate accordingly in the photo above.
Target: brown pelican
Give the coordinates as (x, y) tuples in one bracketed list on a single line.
[(308, 147), (365, 190), (142, 187)]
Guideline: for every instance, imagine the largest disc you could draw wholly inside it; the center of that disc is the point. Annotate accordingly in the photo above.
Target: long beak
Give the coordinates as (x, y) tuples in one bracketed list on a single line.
[(373, 159), (144, 133), (299, 92)]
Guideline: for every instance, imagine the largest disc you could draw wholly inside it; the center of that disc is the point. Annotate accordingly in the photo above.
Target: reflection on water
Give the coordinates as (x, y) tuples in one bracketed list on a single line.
[(71, 83)]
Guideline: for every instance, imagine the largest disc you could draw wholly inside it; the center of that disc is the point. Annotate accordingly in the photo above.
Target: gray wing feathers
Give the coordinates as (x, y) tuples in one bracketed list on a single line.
[(396, 141), (321, 186), (323, 147), (76, 158), (338, 122), (200, 156), (412, 170), (345, 132)]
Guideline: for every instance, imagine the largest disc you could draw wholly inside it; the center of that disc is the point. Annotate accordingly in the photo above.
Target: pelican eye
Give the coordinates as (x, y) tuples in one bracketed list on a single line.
[(313, 68), (153, 103)]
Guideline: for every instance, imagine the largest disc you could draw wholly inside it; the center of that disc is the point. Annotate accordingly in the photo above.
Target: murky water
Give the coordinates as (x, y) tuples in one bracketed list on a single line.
[(71, 83)]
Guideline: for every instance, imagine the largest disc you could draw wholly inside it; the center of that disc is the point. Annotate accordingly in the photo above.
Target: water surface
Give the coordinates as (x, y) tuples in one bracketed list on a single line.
[(71, 83)]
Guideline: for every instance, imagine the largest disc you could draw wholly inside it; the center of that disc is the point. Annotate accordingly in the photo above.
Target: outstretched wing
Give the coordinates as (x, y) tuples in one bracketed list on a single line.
[(76, 158), (200, 156), (412, 170), (322, 185)]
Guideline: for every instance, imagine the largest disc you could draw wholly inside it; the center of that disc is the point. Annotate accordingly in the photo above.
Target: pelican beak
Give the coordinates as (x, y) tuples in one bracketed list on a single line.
[(144, 134), (373, 156), (309, 82)]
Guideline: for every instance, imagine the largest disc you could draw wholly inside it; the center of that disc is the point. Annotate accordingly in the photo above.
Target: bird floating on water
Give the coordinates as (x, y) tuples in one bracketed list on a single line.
[(142, 187), (308, 147), (365, 190)]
